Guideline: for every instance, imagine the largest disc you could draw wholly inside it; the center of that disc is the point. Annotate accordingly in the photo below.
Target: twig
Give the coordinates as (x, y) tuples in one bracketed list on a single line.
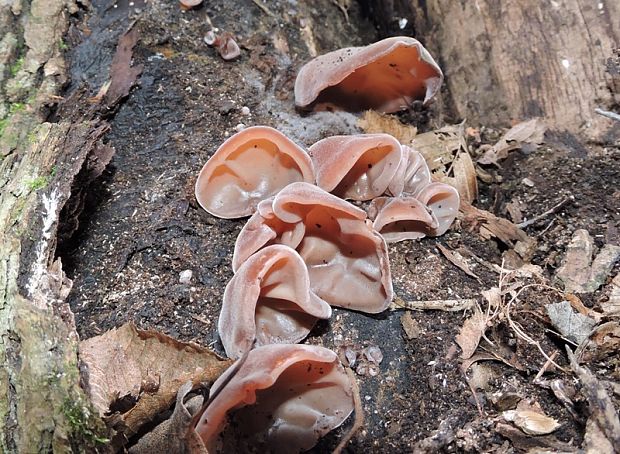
[(435, 305), (359, 413), (608, 114), (552, 210), (264, 8), (546, 366)]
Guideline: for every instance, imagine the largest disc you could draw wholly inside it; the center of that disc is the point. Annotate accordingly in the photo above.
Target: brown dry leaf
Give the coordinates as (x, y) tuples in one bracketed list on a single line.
[(146, 366), (578, 272), (514, 211), (471, 333), (464, 179), (526, 443), (528, 132), (531, 422), (490, 226), (123, 76), (176, 434), (602, 410), (606, 337), (611, 307), (410, 326), (374, 122), (457, 260)]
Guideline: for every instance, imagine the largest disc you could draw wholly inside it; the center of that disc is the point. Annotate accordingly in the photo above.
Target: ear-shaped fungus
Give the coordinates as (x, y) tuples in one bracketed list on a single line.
[(282, 399), (357, 167), (269, 301), (412, 175), (386, 76), (250, 166), (346, 258), (402, 218), (443, 201)]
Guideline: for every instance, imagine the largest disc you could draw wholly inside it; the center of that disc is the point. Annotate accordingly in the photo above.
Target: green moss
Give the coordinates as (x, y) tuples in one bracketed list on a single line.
[(62, 45), (81, 421), (37, 183), (15, 67)]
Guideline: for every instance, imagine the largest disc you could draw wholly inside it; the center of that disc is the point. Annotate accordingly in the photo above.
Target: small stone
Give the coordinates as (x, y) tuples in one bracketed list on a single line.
[(185, 277), (528, 182), (245, 110), (350, 355), (240, 127)]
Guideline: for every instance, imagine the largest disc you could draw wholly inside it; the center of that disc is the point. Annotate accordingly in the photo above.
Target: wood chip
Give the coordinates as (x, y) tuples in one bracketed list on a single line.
[(373, 122), (457, 260), (435, 305), (471, 332)]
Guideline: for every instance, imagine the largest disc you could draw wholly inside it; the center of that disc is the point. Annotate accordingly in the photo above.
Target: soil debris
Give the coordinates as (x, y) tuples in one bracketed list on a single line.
[(528, 134)]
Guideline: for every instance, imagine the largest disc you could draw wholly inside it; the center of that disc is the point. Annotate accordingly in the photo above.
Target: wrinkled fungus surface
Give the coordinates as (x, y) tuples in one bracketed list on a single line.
[(401, 218), (386, 76), (357, 167), (346, 257), (250, 166), (269, 301), (282, 399)]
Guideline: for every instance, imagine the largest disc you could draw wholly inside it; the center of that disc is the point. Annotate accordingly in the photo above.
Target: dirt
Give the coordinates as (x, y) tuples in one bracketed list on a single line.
[(142, 226)]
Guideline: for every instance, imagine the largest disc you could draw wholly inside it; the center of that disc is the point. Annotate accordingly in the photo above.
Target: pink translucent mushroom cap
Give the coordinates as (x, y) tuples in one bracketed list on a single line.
[(386, 76), (269, 301), (357, 167), (250, 166), (282, 399)]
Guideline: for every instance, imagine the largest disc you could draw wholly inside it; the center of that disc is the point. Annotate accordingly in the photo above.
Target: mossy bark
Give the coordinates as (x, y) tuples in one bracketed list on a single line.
[(42, 407)]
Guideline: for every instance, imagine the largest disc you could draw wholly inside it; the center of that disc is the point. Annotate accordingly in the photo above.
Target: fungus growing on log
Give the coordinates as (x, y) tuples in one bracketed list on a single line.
[(412, 175), (346, 258), (386, 76), (443, 201), (401, 218), (269, 301), (283, 398), (250, 166), (357, 167)]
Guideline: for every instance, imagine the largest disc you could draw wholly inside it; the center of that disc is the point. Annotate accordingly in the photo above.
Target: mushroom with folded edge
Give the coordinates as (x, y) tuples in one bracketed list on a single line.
[(443, 201), (412, 175), (357, 167), (250, 166), (346, 258), (281, 399), (401, 218), (386, 76), (269, 301)]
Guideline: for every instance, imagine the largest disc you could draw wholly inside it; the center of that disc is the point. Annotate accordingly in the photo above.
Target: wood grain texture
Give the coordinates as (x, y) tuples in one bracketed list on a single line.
[(511, 60)]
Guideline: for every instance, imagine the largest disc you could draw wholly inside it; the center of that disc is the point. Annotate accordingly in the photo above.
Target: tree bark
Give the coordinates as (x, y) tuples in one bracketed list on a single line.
[(506, 61), (42, 407)]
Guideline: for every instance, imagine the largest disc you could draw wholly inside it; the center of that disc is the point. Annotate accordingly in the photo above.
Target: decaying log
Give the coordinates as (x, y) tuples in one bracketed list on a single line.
[(42, 407), (507, 61)]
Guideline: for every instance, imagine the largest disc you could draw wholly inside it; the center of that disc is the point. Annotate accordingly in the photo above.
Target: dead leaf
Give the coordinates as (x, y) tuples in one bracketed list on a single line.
[(123, 76), (464, 179), (606, 337), (572, 325), (410, 326), (374, 122), (578, 272), (471, 332), (602, 410), (528, 132), (490, 226), (612, 305), (457, 260), (595, 441), (117, 363), (176, 434), (514, 211), (526, 443), (531, 422)]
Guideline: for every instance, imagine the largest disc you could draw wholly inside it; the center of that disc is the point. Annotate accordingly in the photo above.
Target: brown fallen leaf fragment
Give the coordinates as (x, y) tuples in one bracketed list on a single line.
[(457, 260), (471, 332), (531, 422), (176, 434), (530, 132), (527, 443), (448, 157), (602, 410), (612, 305), (124, 363), (490, 226), (578, 272), (123, 75), (373, 122)]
